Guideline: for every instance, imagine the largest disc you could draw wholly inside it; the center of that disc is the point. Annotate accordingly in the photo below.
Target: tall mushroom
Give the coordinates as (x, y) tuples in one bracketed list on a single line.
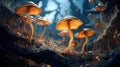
[(69, 23), (44, 23), (85, 33), (100, 8), (28, 9), (64, 34)]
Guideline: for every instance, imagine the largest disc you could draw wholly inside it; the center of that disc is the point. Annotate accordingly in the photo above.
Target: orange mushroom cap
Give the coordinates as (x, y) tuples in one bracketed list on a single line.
[(28, 8), (89, 32), (64, 33), (42, 22), (80, 34), (74, 23), (85, 33)]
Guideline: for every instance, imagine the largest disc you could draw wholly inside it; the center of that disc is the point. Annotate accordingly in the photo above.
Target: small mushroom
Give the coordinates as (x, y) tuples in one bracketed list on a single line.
[(100, 8), (85, 33), (69, 23), (92, 0), (44, 23), (64, 34), (28, 9)]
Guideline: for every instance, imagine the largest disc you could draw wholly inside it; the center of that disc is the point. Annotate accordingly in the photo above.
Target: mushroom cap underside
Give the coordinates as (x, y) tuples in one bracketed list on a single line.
[(64, 33)]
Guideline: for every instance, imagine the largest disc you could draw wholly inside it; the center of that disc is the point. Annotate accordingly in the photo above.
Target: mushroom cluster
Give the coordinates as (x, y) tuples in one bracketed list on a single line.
[(28, 9), (66, 25), (69, 23)]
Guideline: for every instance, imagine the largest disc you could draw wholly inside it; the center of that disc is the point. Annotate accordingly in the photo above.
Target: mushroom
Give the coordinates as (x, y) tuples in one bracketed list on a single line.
[(85, 33), (64, 34), (100, 8), (44, 23), (92, 0), (69, 23), (28, 9)]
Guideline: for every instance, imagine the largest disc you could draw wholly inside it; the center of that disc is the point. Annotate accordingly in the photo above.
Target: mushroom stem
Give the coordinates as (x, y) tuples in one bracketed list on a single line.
[(101, 21), (101, 17), (71, 38), (32, 31), (83, 47), (44, 29)]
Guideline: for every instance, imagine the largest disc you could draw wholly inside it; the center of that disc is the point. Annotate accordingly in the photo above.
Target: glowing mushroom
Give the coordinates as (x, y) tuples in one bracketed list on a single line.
[(85, 33), (44, 23), (28, 9), (64, 34), (69, 23)]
